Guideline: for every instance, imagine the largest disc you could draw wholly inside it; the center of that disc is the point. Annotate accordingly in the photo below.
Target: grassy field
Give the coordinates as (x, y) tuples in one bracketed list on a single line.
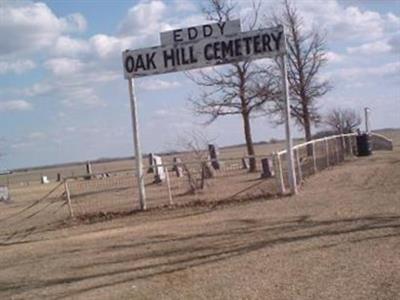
[(338, 239)]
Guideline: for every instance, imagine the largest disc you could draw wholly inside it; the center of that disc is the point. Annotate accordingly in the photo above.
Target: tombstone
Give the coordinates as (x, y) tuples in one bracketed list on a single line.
[(267, 168), (151, 163), (207, 171), (88, 168), (177, 167), (214, 154), (59, 177), (245, 163), (44, 180), (159, 175), (4, 194)]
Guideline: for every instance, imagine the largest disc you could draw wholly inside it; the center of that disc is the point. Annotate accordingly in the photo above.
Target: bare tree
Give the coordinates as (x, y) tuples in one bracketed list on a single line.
[(198, 168), (306, 54), (238, 89), (343, 120)]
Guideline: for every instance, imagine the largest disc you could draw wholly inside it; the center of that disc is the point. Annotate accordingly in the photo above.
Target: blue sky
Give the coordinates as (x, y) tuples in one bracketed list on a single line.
[(63, 96)]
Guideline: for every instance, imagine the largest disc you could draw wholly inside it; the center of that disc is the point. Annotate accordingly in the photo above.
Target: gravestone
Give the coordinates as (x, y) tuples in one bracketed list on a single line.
[(88, 168), (4, 194), (214, 154), (151, 163), (44, 180), (177, 167), (267, 168), (245, 163), (59, 177), (159, 175)]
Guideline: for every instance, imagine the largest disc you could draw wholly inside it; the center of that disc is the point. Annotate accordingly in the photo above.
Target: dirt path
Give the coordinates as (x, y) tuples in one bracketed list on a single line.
[(338, 239)]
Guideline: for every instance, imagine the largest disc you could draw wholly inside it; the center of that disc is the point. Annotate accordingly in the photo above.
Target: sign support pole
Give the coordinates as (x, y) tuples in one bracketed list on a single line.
[(289, 142), (138, 154)]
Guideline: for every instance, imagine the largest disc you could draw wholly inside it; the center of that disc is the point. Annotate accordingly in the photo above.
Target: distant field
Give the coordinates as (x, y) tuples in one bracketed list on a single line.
[(32, 176)]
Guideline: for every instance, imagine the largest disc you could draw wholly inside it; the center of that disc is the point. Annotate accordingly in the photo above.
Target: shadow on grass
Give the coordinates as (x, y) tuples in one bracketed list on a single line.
[(119, 263)]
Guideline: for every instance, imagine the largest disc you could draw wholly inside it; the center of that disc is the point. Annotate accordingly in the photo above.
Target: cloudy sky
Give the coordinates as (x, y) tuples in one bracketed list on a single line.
[(63, 96)]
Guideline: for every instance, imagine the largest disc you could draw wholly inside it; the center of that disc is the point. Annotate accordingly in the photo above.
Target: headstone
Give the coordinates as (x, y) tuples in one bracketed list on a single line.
[(245, 163), (59, 177), (177, 167), (207, 171), (4, 194), (214, 154), (159, 175), (44, 180), (88, 168), (267, 168), (151, 163)]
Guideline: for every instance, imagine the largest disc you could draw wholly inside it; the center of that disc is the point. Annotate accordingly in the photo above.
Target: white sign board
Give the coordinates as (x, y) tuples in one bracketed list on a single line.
[(210, 51), (195, 33)]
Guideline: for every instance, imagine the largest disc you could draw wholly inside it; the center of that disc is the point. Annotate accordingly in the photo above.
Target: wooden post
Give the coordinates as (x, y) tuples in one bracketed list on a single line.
[(67, 193), (136, 141), (327, 152), (314, 158), (279, 173), (169, 187), (298, 165)]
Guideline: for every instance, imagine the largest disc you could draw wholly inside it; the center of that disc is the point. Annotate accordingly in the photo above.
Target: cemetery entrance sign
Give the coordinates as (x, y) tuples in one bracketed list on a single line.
[(203, 46), (211, 51)]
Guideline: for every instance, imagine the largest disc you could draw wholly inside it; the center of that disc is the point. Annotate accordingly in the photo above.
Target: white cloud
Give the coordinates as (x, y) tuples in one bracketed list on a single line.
[(27, 26), (16, 66), (37, 135), (158, 84), (15, 105), (67, 46), (64, 66), (144, 18), (334, 57), (389, 69), (377, 47)]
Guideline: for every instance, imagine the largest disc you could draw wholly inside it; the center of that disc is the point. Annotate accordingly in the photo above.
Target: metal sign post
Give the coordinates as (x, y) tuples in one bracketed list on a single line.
[(289, 142), (138, 154), (366, 112)]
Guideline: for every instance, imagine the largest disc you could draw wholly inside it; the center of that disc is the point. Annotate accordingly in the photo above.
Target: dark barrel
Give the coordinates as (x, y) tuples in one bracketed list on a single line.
[(363, 145)]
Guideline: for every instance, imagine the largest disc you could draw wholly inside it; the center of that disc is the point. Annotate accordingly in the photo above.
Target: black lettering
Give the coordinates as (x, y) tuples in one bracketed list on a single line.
[(247, 41), (221, 27), (191, 55), (277, 39), (206, 52), (238, 47), (256, 44), (129, 64), (185, 61), (266, 39), (177, 35), (227, 48), (178, 58), (205, 32), (139, 63), (150, 60), (168, 57), (192, 33), (217, 50)]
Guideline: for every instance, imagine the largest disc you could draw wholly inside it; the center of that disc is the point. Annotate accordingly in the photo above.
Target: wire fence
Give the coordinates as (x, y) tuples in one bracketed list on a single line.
[(312, 157), (182, 183)]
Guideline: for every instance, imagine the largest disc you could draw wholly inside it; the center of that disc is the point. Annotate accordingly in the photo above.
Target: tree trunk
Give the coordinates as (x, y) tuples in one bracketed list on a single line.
[(249, 142), (307, 129)]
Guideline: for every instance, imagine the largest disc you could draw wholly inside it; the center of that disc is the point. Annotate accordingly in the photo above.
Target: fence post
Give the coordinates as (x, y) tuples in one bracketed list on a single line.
[(298, 165), (169, 187), (327, 152), (278, 172), (67, 193), (314, 157), (350, 145), (337, 151)]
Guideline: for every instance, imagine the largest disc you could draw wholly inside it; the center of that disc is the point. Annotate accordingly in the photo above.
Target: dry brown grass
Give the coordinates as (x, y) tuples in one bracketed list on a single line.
[(338, 239)]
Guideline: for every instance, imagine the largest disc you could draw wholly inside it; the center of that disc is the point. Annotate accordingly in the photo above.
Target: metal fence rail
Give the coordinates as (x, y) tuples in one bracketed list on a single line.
[(313, 156)]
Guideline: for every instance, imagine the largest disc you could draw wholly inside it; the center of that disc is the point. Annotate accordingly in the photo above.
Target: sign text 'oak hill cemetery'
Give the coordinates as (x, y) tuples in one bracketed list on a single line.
[(202, 46)]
